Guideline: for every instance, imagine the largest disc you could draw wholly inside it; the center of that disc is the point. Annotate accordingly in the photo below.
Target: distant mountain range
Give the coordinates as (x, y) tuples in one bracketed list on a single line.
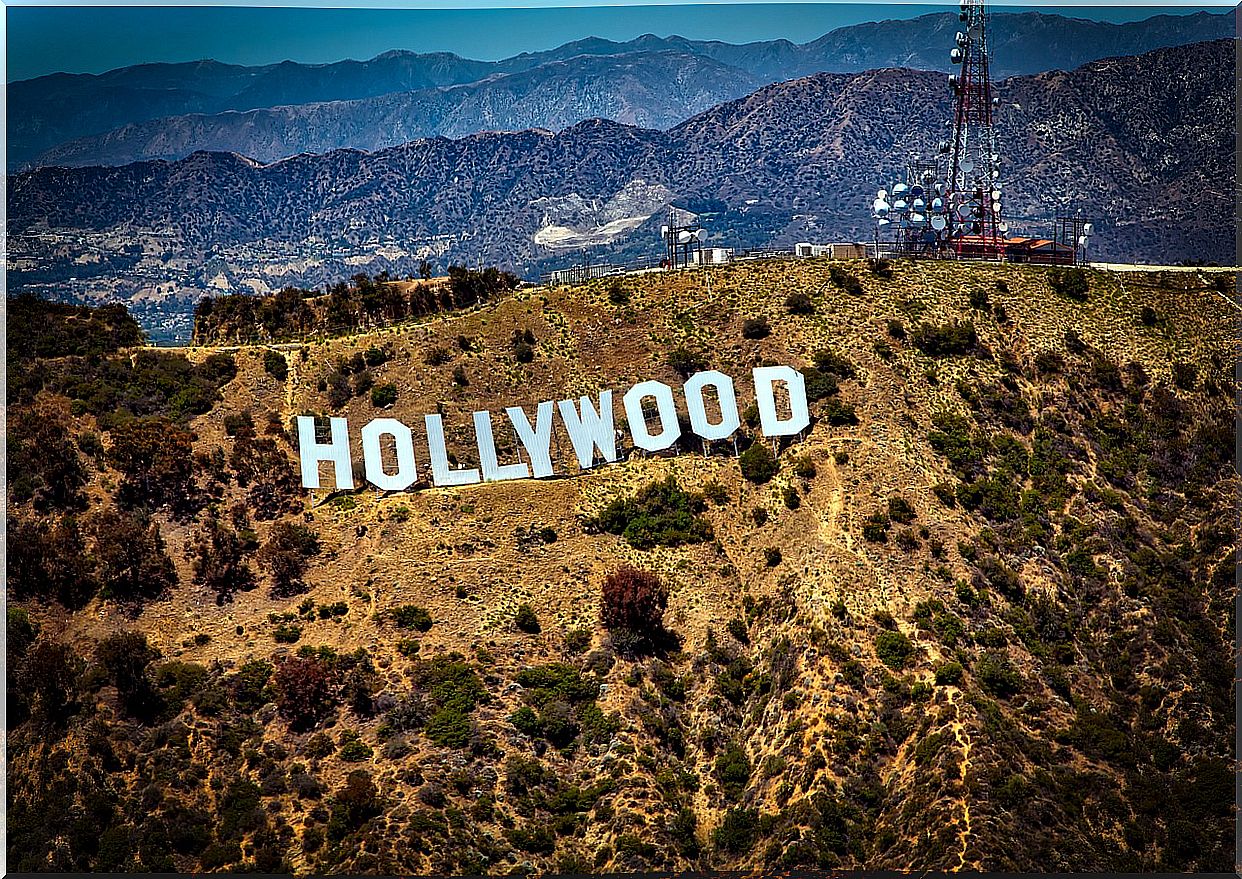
[(1144, 145), (171, 110)]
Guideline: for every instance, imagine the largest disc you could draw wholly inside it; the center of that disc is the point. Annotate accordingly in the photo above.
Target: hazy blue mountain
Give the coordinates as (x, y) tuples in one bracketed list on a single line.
[(650, 89), (49, 111)]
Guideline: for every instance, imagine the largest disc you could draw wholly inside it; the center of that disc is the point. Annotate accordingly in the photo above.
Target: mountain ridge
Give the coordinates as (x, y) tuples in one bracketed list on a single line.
[(88, 105), (1148, 157)]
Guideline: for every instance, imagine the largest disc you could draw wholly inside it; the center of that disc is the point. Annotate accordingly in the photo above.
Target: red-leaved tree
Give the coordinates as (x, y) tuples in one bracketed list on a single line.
[(306, 691), (634, 600)]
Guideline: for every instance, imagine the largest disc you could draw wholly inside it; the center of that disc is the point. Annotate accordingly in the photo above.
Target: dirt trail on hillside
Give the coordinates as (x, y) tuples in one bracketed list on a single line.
[(963, 742)]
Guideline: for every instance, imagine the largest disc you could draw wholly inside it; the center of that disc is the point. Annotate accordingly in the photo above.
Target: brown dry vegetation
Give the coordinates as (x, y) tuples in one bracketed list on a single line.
[(800, 721)]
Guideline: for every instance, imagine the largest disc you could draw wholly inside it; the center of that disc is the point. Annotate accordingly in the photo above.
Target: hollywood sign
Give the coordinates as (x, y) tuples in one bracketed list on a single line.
[(591, 432)]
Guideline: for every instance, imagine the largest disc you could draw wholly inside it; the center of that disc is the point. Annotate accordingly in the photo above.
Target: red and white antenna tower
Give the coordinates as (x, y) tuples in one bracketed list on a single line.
[(973, 182)]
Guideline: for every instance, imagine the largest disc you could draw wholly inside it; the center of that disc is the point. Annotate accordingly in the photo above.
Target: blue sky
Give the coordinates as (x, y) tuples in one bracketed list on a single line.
[(88, 39)]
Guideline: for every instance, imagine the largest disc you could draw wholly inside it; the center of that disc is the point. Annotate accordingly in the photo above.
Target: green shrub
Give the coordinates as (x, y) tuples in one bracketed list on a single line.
[(945, 340), (287, 633), (791, 498), (832, 363), (756, 328), (353, 749), (840, 414), (799, 303), (660, 514), (411, 616), (900, 510), (875, 527), (733, 770), (738, 832), (1071, 283), (526, 620), (894, 649), (949, 674), (758, 464), (275, 365), (772, 556), (845, 280), (998, 675), (686, 362), (383, 395)]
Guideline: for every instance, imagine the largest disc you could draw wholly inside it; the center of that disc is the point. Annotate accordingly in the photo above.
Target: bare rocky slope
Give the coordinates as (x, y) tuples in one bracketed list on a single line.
[(980, 617)]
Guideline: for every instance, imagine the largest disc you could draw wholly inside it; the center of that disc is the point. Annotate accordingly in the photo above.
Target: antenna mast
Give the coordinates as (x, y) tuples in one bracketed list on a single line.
[(974, 163)]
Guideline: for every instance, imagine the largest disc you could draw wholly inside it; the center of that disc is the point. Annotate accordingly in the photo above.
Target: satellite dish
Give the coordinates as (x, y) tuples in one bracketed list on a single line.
[(938, 223), (900, 188), (953, 81), (996, 207), (701, 234), (995, 174), (881, 222), (961, 39), (881, 194), (968, 164), (940, 187), (937, 205), (918, 219), (1082, 241), (943, 146), (996, 194), (1002, 227), (996, 102), (976, 31), (879, 207), (664, 231), (919, 204), (955, 55), (899, 204), (916, 190), (1087, 228)]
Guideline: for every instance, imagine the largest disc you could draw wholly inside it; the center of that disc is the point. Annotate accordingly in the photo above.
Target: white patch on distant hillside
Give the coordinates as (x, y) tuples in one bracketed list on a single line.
[(573, 221)]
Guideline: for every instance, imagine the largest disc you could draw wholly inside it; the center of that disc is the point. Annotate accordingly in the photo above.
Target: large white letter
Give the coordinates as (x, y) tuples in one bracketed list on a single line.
[(407, 470), (799, 416), (492, 471), (336, 451), (591, 429), (698, 411), (538, 441), (669, 428), (440, 471)]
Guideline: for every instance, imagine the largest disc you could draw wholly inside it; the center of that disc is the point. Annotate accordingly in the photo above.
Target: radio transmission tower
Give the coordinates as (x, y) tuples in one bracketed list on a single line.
[(974, 163)]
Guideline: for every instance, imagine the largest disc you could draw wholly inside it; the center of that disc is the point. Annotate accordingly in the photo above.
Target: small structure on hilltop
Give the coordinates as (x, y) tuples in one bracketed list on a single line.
[(951, 206), (683, 239), (838, 250)]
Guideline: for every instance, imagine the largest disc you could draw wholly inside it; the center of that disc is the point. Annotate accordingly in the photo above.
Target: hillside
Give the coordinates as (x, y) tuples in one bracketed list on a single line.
[(980, 616), (86, 119)]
